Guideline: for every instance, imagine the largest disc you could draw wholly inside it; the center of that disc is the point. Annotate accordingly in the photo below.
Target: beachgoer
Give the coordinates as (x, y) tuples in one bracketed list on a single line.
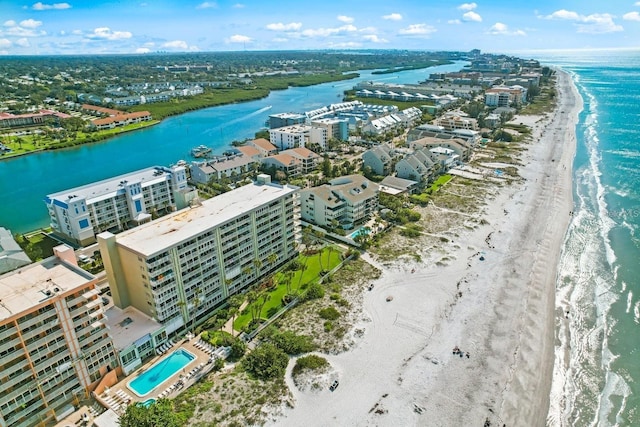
[(467, 354)]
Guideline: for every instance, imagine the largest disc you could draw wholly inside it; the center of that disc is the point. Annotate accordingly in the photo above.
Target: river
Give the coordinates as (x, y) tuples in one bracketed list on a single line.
[(26, 180)]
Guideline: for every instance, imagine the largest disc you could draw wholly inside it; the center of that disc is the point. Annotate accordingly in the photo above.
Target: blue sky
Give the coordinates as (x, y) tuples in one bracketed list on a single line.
[(112, 26)]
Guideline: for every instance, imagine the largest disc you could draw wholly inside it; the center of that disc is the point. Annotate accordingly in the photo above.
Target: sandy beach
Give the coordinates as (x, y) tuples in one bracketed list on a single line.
[(498, 309)]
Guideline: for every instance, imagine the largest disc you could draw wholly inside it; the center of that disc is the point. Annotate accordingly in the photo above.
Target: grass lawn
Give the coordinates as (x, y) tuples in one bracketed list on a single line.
[(39, 142), (37, 245), (309, 275), (442, 180)]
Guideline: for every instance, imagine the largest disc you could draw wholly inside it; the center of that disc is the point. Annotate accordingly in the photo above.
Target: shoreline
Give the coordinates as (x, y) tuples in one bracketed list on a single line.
[(105, 139), (501, 310)]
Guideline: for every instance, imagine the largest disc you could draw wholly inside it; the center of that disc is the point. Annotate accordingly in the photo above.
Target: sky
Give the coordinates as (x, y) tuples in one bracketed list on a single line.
[(497, 26)]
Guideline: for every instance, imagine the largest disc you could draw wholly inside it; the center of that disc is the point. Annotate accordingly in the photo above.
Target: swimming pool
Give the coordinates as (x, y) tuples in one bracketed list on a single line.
[(148, 402), (146, 382), (362, 230)]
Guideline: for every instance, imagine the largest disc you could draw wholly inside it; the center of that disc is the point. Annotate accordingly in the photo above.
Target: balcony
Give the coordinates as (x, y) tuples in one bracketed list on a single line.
[(89, 294), (12, 343)]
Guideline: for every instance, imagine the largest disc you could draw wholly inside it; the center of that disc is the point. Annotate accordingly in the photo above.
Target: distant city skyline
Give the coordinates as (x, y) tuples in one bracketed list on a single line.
[(127, 27)]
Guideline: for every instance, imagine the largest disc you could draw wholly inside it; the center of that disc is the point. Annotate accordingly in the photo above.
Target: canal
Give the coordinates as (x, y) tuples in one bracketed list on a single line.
[(26, 180)]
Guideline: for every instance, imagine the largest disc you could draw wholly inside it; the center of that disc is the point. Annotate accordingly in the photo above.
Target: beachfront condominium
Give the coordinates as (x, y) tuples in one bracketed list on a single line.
[(179, 268), (118, 203), (347, 201), (54, 345)]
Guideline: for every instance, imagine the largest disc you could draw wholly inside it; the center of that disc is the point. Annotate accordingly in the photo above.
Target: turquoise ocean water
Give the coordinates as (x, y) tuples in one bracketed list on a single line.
[(597, 369)]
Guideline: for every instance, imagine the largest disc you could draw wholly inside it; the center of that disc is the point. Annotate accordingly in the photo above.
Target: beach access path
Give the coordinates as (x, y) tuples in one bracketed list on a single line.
[(494, 300)]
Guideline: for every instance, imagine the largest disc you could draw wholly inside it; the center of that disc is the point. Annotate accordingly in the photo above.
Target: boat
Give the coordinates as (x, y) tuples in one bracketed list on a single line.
[(200, 151)]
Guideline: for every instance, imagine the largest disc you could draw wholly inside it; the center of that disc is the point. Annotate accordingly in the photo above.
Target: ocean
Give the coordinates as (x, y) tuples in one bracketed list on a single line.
[(597, 367)]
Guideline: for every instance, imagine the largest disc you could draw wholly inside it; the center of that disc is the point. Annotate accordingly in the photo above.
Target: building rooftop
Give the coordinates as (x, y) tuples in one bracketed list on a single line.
[(174, 228), (129, 325), (263, 143), (32, 285), (109, 187), (11, 254)]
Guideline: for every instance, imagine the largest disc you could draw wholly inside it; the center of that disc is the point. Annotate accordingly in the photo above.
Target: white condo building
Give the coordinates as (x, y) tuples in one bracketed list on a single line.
[(118, 203), (179, 268)]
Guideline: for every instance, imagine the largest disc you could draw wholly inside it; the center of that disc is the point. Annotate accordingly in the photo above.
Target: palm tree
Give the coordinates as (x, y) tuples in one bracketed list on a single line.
[(288, 277), (234, 308), (258, 265), (317, 237), (182, 304), (246, 271), (196, 303), (266, 296), (329, 250), (272, 259), (252, 296)]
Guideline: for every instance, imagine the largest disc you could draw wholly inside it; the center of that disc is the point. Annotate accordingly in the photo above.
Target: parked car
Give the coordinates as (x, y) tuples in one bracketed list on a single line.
[(83, 258), (334, 386)]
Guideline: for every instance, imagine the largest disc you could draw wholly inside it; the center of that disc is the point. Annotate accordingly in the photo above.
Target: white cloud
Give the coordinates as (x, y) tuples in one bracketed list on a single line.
[(279, 26), (637, 3), (368, 30), (563, 14), (105, 33), (599, 23), (279, 39), (472, 16), (207, 5), (143, 50), (23, 42), (326, 32), (393, 17), (58, 6), (467, 6), (417, 30), (176, 44), (76, 32), (454, 21), (500, 29), (238, 6), (345, 45), (631, 16), (596, 23), (4, 43), (238, 38), (374, 38), (345, 19), (26, 28), (30, 23)]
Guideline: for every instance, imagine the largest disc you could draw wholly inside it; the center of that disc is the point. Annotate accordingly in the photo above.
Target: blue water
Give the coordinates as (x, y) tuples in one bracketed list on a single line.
[(25, 181), (598, 384), (358, 232), (160, 372)]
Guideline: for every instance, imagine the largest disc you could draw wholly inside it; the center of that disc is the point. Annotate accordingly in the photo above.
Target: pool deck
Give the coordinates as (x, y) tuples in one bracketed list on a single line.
[(119, 396)]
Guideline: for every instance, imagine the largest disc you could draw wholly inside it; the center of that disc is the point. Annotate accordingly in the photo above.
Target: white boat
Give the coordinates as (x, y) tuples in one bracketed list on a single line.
[(200, 151)]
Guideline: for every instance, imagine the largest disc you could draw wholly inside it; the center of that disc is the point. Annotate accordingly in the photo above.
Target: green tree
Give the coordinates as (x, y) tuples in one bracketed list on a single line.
[(266, 362), (326, 167), (159, 414), (291, 343)]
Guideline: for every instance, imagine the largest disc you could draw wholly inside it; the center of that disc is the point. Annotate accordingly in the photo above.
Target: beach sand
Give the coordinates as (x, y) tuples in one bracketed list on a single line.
[(500, 310)]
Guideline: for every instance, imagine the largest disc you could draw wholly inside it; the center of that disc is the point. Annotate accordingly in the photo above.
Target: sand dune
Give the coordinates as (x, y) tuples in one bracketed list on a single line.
[(500, 310)]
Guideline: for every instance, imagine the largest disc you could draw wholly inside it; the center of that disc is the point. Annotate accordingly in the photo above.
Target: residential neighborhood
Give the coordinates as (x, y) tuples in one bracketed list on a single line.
[(148, 260)]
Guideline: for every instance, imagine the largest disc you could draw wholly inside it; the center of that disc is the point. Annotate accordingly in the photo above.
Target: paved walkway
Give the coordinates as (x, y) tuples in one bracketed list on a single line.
[(228, 327)]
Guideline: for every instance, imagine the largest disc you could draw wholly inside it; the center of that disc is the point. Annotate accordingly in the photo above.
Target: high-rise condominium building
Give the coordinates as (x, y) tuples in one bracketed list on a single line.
[(119, 203), (54, 346), (179, 268)]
